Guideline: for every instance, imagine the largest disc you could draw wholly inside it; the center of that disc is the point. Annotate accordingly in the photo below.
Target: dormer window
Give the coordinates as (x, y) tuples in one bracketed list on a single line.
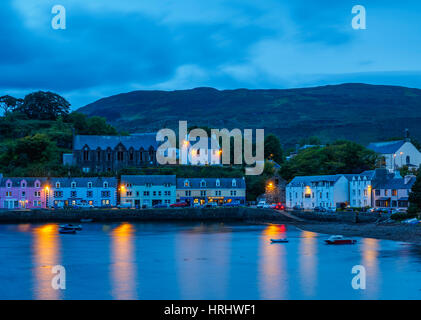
[(9, 184), (23, 184), (202, 183), (105, 185), (89, 185), (73, 185), (58, 185), (218, 183), (186, 183), (37, 185), (234, 183)]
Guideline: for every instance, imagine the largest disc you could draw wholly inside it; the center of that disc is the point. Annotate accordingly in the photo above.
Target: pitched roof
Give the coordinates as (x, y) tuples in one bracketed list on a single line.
[(83, 182), (16, 182), (395, 183), (305, 180), (137, 141), (152, 179), (369, 175), (225, 183), (387, 147)]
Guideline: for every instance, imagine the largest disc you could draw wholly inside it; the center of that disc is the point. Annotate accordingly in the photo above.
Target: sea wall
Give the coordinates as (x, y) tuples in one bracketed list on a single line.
[(178, 214)]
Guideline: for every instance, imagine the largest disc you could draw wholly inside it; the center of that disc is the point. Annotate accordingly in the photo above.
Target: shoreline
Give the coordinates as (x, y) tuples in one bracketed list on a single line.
[(393, 231)]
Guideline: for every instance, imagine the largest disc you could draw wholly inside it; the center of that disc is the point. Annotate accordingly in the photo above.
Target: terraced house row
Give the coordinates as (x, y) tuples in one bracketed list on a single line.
[(378, 188), (130, 191)]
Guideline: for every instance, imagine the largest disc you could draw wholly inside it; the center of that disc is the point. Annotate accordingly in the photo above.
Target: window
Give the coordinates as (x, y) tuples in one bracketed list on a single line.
[(146, 193), (58, 194), (120, 156), (203, 183), (23, 193), (131, 155), (365, 192), (186, 183), (8, 193), (394, 193), (203, 193), (109, 158), (85, 155), (23, 184), (37, 194), (386, 192), (408, 160), (89, 185), (105, 185), (73, 194), (234, 192), (188, 193), (58, 185), (89, 194), (9, 184), (98, 155), (234, 183), (128, 194), (105, 194), (73, 185), (37, 184), (377, 192), (154, 193)]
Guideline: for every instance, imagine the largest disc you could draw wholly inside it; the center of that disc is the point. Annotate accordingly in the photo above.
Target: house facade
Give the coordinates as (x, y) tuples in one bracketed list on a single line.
[(396, 154), (147, 190), (192, 153), (275, 190), (22, 193), (308, 192), (96, 191), (204, 190), (391, 190), (112, 153), (360, 189)]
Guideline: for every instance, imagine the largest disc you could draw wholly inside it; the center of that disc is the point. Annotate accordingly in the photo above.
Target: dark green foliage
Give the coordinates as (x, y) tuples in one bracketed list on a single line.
[(90, 125), (273, 149), (9, 103), (340, 157), (415, 195), (42, 105), (403, 216)]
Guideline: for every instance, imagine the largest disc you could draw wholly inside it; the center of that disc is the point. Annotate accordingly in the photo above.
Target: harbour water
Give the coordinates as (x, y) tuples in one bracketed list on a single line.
[(200, 261)]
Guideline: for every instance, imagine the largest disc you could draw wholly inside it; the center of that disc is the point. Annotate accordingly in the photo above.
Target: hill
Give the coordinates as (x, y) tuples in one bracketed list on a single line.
[(357, 112)]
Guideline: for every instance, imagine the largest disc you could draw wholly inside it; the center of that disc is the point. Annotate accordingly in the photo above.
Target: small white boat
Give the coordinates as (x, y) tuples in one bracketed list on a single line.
[(279, 240), (76, 227), (66, 230)]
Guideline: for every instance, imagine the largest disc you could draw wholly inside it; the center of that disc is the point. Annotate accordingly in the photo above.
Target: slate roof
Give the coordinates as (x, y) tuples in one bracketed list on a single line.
[(369, 174), (395, 183), (306, 180), (388, 147), (137, 141), (225, 183), (97, 182), (152, 179), (16, 182)]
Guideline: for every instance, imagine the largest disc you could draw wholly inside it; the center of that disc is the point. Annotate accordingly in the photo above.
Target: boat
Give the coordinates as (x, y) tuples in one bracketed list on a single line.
[(279, 240), (338, 239), (76, 227), (66, 230), (86, 220)]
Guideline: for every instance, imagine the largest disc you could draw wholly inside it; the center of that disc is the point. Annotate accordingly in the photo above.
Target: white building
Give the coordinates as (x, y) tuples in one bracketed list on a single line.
[(308, 192), (193, 153), (95, 191), (396, 154), (360, 187), (147, 190)]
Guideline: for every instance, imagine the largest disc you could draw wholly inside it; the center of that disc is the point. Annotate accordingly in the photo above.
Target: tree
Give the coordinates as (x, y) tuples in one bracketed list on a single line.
[(90, 126), (340, 157), (273, 149), (415, 195), (44, 106), (9, 103)]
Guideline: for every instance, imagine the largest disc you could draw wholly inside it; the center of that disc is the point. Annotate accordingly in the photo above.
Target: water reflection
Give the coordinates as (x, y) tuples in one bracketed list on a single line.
[(272, 264), (308, 263), (46, 254), (123, 264), (370, 251)]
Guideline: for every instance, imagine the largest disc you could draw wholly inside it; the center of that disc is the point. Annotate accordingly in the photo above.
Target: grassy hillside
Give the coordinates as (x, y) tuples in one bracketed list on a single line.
[(357, 112)]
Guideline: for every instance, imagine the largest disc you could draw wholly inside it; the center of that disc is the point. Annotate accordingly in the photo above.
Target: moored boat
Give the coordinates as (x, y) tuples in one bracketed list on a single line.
[(76, 227), (338, 239), (66, 230), (279, 240)]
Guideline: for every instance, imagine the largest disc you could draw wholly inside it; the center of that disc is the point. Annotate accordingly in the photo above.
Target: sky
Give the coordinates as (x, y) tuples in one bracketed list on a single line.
[(115, 46)]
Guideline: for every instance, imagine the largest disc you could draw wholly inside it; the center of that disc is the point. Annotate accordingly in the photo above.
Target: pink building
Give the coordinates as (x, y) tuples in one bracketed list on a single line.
[(22, 193)]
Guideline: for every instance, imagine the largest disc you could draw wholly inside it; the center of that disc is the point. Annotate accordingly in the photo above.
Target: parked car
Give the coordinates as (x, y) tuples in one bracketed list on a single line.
[(160, 205), (86, 205), (179, 205), (279, 206), (211, 205), (197, 205), (261, 204), (125, 205), (319, 209), (297, 208)]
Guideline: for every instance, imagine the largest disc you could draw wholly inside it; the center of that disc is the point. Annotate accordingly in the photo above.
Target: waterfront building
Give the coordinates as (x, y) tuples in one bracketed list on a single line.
[(275, 190), (112, 153), (192, 154), (95, 191), (360, 188), (24, 193), (147, 190), (396, 154), (391, 190), (308, 192), (204, 190)]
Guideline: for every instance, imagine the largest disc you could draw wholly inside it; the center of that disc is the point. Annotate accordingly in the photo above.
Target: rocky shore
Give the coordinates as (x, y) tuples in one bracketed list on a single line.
[(388, 231)]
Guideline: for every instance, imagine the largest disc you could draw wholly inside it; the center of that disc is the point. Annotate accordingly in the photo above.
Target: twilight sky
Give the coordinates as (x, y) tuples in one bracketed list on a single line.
[(114, 46)]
